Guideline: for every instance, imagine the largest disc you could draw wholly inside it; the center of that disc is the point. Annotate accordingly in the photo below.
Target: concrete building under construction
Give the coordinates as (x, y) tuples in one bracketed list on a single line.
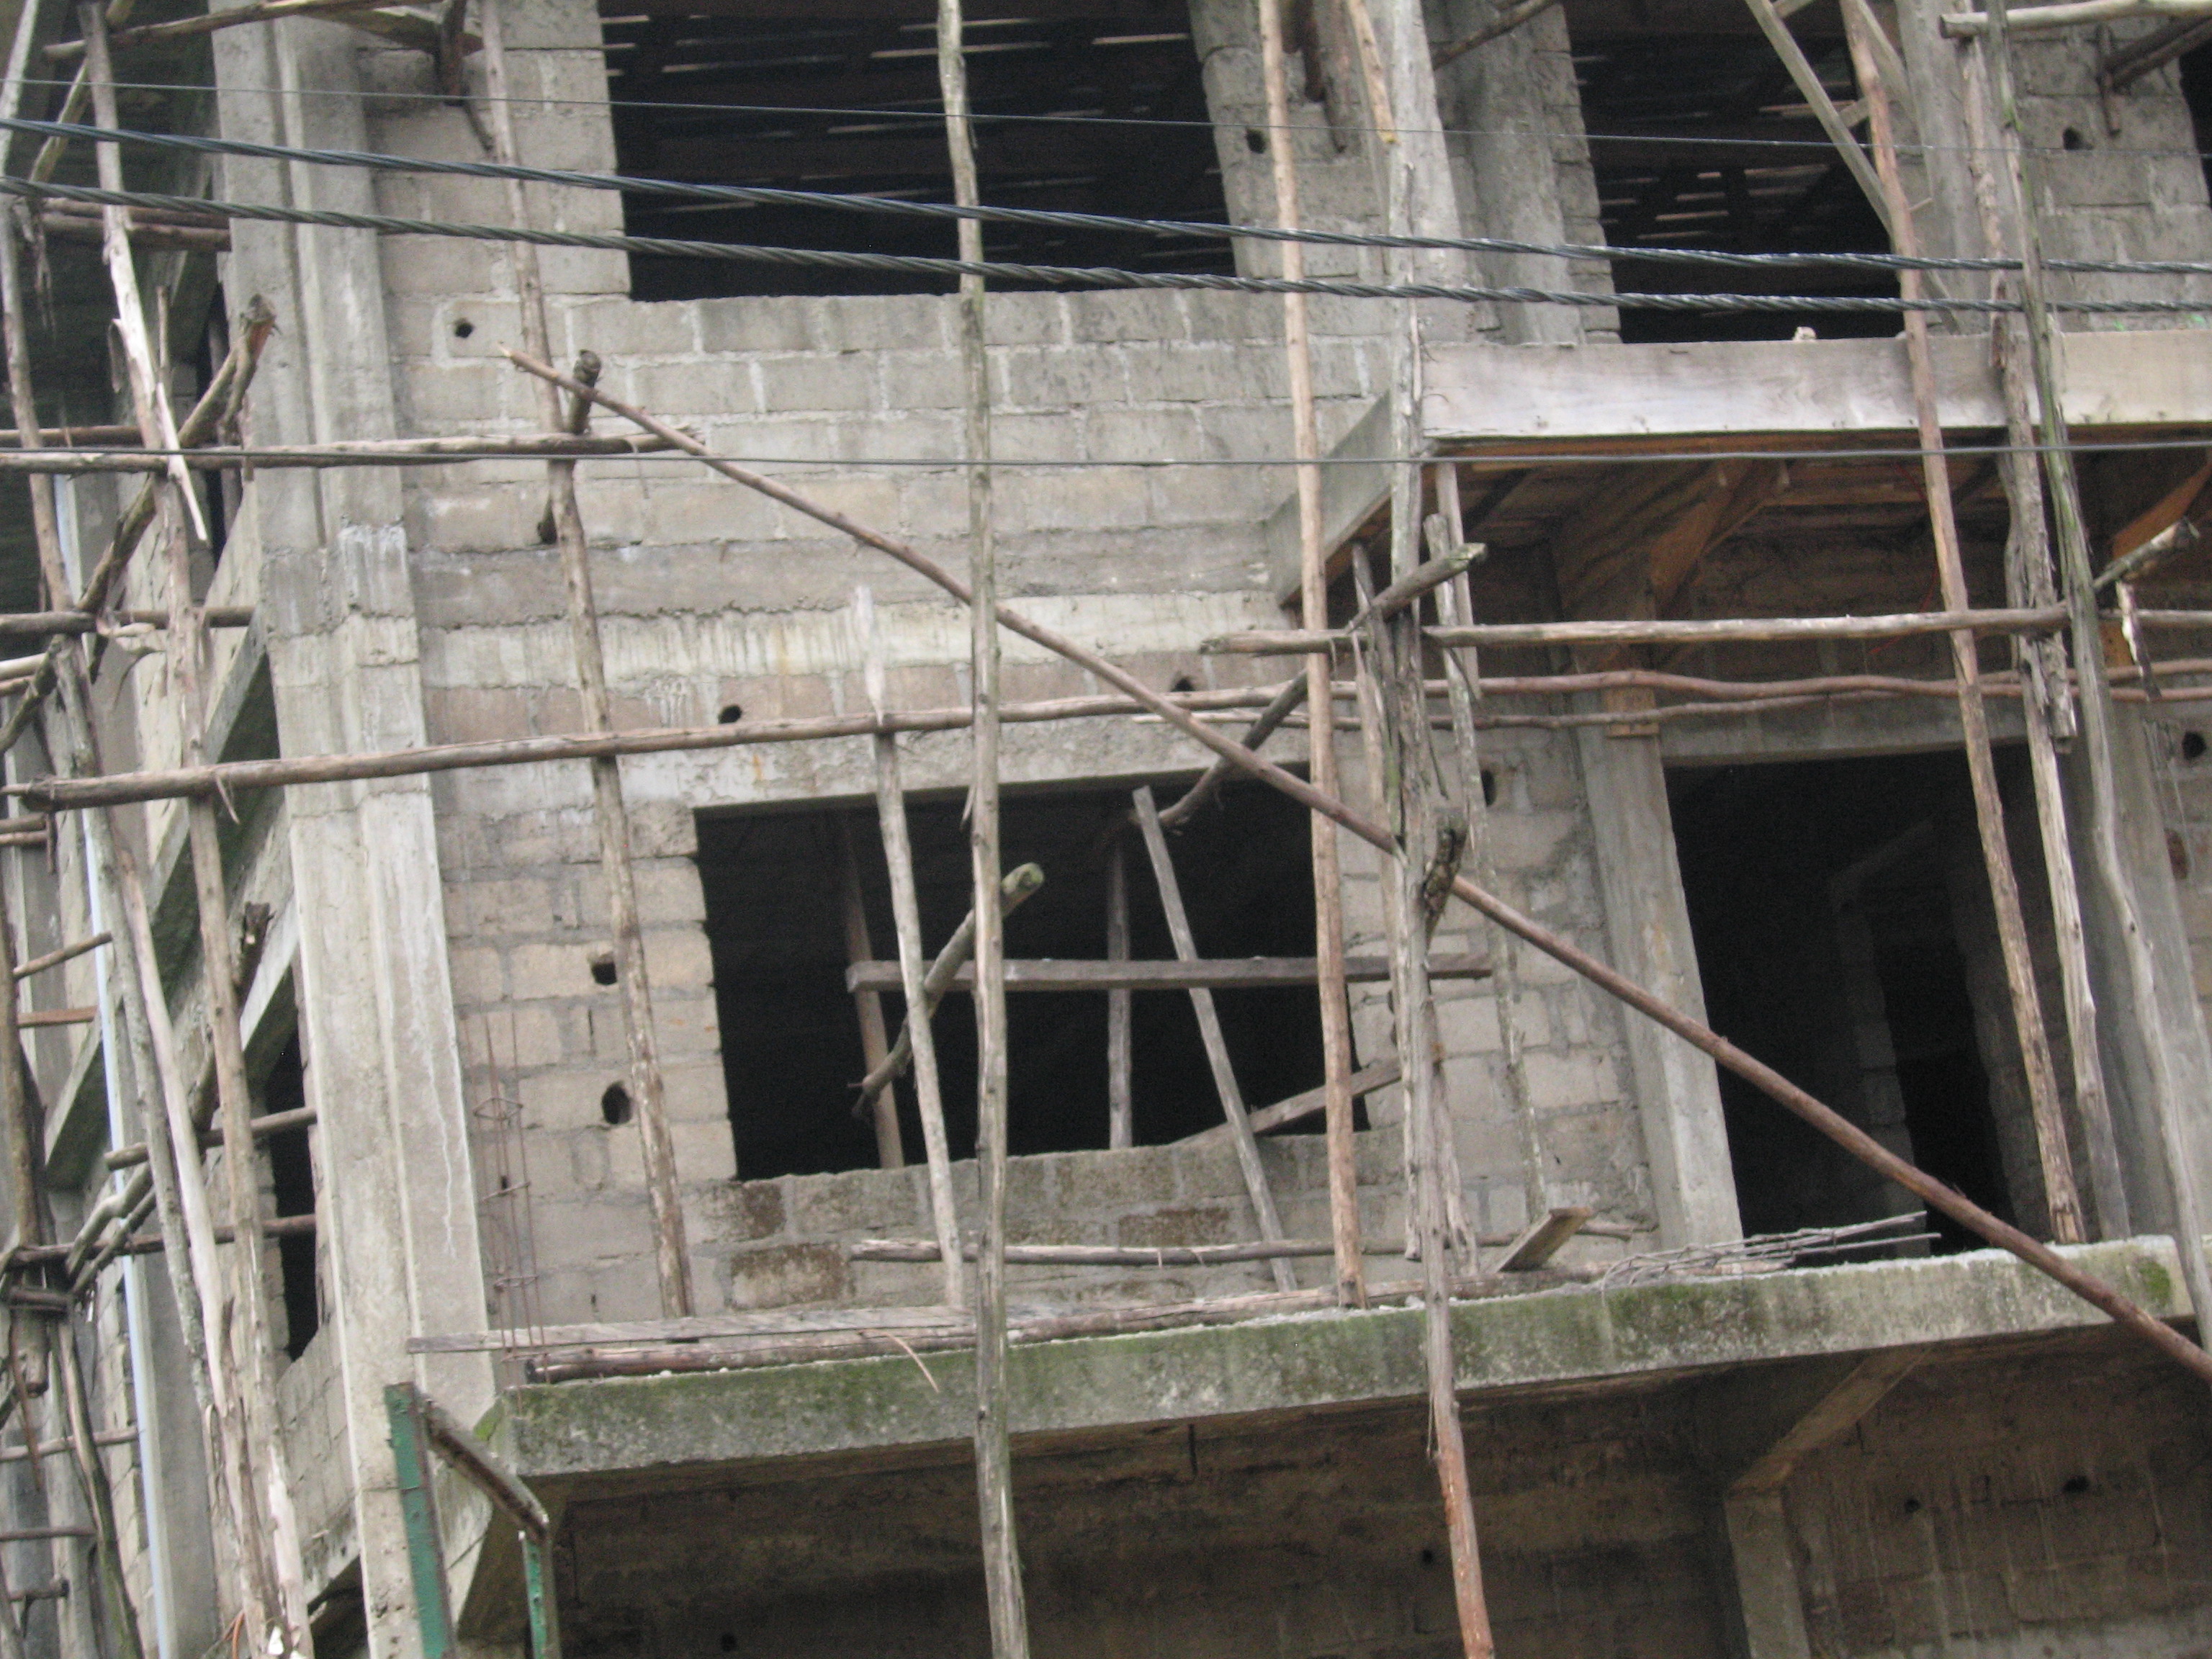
[(1513, 685)]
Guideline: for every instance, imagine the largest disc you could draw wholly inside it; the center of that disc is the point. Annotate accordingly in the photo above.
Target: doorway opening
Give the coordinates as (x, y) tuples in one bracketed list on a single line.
[(1845, 935), (792, 1050)]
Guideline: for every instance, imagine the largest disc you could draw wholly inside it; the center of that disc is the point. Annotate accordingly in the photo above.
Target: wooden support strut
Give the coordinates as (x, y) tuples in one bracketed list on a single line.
[(867, 1002), (1210, 1035), (1797, 1101), (2062, 1201)]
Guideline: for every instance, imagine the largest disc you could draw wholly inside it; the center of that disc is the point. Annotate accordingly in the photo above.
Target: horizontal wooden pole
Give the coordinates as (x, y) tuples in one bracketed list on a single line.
[(194, 238), (122, 437), (1961, 25), (1108, 1256), (1293, 642), (21, 623), (274, 1123), (66, 52), (23, 838), (125, 1436), (1221, 974), (1300, 1107), (59, 1017), (395, 452), (66, 953)]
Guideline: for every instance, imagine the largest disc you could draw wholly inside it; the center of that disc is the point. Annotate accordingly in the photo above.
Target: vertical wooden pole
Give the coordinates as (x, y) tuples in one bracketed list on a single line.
[(1321, 704), (1121, 1100), (875, 1045), (2047, 699), (649, 1093), (275, 1600), (2062, 1201), (2079, 588), (1210, 1034), (914, 966), (115, 1601), (994, 1472)]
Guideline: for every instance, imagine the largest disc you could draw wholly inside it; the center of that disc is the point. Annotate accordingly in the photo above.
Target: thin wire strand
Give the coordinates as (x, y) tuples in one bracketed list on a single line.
[(753, 195), (1081, 277), (1816, 145)]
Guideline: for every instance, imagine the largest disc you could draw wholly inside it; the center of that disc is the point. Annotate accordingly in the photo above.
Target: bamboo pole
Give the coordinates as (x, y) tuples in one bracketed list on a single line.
[(994, 1473), (906, 920), (2062, 1203), (1121, 1100), (1210, 1035), (1732, 630), (1799, 1101), (875, 1046), (1321, 743), (647, 1087), (274, 1605), (2078, 585)]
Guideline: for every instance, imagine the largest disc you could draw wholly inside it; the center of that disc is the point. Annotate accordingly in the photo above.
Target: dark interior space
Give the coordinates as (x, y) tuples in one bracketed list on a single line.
[(2197, 89), (292, 1175), (1823, 897), (791, 1034), (841, 96), (1703, 141)]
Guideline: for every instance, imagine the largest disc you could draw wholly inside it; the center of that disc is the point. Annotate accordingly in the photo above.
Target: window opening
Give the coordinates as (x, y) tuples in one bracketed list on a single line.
[(782, 78), (1757, 176), (1836, 907), (790, 1038), (292, 1176)]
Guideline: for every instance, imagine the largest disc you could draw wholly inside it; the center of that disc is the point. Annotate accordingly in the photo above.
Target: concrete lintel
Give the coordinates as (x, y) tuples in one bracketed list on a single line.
[(1481, 394), (577, 1432), (1354, 486)]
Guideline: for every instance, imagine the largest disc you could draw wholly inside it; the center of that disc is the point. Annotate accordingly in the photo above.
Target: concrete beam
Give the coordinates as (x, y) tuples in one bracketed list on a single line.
[(1479, 395), (574, 1434), (1354, 487)]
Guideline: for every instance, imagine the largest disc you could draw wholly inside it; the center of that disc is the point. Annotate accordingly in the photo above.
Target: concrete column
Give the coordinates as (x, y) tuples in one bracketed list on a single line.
[(1648, 929), (1767, 1594), (2127, 1024), (376, 1008)]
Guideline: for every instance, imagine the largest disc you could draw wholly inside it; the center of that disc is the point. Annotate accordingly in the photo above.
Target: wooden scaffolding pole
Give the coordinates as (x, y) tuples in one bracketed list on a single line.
[(2062, 1201), (647, 1090), (2078, 587), (1321, 738), (875, 1043), (995, 1471), (1121, 1009), (906, 919), (262, 1492), (1210, 1034), (1797, 1101)]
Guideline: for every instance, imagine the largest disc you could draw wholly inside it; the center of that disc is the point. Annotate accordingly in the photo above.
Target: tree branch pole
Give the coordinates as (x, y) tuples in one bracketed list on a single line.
[(648, 1088), (994, 1470), (906, 919), (1321, 740), (2078, 587), (2062, 1203), (262, 1497), (1762, 1077), (1121, 1009), (868, 1005)]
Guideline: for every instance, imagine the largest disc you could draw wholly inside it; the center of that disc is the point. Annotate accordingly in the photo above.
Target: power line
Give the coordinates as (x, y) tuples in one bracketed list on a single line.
[(1078, 277), (759, 195)]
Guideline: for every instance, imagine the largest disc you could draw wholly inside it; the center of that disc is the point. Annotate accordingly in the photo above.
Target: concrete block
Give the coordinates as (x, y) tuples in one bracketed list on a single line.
[(706, 1155), (920, 380), (838, 383), (536, 971), (750, 324), (1135, 315), (687, 391), (1197, 1223), (787, 1275), (685, 512), (885, 322), (1060, 379), (440, 265), (744, 1211), (1023, 319), (626, 328)]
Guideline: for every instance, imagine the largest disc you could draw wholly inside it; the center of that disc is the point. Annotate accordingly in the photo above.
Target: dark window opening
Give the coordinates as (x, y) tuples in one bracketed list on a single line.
[(1843, 936), (2197, 91), (1702, 141), (220, 492), (791, 1034), (840, 98), (292, 1174)]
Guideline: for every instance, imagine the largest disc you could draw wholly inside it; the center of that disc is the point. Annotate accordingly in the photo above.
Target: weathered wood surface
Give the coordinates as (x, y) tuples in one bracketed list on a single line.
[(1215, 974)]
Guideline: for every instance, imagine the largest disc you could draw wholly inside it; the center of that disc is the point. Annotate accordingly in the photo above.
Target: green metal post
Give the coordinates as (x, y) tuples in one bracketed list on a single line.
[(537, 1585), (418, 1509)]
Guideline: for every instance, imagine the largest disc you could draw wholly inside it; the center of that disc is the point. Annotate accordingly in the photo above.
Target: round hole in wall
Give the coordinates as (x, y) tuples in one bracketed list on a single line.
[(729, 1643), (1256, 141), (1489, 787), (2192, 746), (603, 967), (731, 714), (1183, 682), (463, 329), (2075, 1487), (1428, 1558), (1912, 1506), (614, 1105), (2072, 138)]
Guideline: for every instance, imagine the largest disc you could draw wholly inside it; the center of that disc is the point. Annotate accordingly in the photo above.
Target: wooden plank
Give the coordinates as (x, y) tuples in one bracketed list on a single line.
[(775, 1322), (1541, 1239), (1221, 974), (1838, 1411), (1120, 1104)]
